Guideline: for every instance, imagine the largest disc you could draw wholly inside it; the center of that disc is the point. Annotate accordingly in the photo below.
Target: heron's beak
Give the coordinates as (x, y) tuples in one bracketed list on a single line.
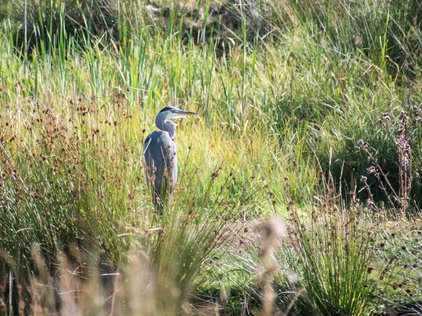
[(181, 114)]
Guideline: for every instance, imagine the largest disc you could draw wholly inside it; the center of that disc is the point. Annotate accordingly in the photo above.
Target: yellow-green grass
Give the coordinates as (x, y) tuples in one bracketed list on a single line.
[(275, 117)]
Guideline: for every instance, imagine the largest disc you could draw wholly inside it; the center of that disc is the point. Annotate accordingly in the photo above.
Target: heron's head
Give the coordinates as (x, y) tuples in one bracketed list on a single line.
[(171, 112), (164, 117)]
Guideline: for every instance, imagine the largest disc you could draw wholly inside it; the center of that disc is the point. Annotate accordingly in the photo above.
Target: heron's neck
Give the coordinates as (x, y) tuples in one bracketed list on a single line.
[(166, 125)]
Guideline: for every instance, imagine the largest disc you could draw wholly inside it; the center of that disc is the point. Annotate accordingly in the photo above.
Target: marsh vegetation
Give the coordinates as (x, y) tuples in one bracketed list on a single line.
[(299, 187)]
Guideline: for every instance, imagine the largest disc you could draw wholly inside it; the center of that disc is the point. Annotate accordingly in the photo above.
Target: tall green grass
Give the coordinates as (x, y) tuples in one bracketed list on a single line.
[(276, 112)]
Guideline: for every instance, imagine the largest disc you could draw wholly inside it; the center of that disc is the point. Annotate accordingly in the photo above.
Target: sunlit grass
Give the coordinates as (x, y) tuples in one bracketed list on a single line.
[(275, 117)]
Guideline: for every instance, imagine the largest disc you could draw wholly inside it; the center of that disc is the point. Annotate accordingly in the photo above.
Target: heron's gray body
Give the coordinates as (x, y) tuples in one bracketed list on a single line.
[(161, 161), (160, 156)]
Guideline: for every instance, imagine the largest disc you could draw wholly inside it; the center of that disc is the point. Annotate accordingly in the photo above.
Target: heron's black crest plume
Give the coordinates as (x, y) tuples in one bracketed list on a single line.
[(166, 109)]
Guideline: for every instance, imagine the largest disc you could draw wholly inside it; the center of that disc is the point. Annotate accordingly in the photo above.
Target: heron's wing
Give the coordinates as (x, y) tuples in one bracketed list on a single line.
[(149, 163)]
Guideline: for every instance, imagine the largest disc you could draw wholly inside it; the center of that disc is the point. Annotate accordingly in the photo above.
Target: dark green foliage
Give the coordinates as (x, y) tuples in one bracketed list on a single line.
[(45, 22), (286, 91), (388, 32)]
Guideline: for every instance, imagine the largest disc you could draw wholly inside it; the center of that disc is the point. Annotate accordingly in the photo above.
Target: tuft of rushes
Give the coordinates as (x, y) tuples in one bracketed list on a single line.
[(333, 260)]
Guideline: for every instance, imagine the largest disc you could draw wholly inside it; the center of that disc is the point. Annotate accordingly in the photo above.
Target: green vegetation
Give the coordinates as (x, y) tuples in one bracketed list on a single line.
[(310, 111)]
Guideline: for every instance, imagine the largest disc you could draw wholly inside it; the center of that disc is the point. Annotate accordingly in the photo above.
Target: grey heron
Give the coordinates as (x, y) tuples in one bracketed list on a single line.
[(160, 155)]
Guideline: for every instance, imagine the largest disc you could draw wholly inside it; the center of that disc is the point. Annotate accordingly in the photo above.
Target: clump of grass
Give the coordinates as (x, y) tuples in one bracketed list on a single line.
[(332, 258), (54, 195)]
